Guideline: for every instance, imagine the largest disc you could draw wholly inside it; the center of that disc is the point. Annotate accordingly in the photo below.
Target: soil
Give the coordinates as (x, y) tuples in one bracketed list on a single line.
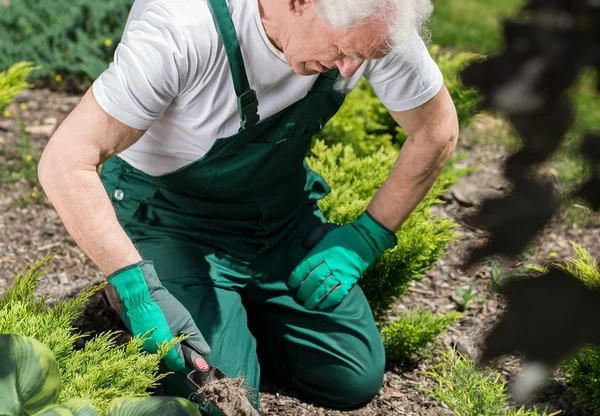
[(229, 395), (31, 232)]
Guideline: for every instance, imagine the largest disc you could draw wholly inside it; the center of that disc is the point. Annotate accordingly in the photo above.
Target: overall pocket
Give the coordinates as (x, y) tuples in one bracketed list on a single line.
[(125, 189)]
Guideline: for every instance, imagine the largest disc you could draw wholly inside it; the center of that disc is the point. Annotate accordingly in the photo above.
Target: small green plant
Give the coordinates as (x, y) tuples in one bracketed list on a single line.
[(21, 161), (13, 80), (465, 295), (102, 370), (414, 332), (362, 122), (496, 274), (421, 240), (468, 391)]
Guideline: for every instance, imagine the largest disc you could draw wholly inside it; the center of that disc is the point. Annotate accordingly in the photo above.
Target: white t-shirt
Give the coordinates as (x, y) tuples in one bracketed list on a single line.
[(170, 76)]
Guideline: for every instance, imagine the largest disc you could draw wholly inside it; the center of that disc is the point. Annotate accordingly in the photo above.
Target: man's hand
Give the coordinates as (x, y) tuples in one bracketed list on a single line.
[(148, 306), (328, 272)]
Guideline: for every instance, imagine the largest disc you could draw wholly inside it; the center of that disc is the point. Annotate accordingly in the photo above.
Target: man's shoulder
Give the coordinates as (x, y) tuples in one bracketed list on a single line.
[(183, 13)]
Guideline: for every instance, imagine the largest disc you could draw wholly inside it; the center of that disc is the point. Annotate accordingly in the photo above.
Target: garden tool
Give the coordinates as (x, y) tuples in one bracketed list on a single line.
[(202, 372)]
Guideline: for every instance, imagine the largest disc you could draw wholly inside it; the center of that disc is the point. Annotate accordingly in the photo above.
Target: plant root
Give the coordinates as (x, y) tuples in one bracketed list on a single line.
[(229, 395)]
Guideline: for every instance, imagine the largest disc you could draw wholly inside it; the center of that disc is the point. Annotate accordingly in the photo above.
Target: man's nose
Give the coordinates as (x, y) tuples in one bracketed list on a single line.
[(348, 66)]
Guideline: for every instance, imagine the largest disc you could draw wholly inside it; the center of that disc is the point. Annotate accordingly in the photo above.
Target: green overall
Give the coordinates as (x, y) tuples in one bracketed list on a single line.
[(226, 231)]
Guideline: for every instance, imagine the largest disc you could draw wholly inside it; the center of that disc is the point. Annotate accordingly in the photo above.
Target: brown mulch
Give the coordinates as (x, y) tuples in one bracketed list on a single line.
[(29, 233)]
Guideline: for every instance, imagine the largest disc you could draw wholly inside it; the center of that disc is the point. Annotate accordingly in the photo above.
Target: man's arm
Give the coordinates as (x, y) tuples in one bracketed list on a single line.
[(432, 130), (68, 174)]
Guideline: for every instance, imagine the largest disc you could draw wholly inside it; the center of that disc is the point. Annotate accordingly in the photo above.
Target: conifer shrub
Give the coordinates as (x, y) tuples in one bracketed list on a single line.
[(583, 369), (100, 372), (469, 391), (13, 80), (414, 333)]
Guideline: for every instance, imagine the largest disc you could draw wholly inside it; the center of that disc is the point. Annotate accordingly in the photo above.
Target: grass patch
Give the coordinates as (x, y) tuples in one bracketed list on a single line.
[(471, 25)]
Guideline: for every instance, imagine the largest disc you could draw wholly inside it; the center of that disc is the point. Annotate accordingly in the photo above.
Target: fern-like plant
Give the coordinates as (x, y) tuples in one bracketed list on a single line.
[(102, 370)]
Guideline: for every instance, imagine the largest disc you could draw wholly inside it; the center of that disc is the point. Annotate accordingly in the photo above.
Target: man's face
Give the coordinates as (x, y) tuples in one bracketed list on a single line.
[(311, 46)]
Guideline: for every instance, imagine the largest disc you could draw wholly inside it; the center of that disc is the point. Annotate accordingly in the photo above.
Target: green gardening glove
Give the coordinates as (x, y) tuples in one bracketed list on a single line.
[(146, 305), (334, 265)]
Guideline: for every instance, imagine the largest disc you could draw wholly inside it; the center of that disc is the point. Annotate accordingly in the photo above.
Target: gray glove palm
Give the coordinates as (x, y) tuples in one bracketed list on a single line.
[(148, 306)]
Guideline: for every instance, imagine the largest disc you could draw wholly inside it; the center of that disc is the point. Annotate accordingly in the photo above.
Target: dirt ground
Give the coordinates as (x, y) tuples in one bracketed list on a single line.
[(29, 233)]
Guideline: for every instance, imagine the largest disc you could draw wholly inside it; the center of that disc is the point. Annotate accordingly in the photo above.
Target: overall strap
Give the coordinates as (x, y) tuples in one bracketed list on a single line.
[(326, 81), (247, 103)]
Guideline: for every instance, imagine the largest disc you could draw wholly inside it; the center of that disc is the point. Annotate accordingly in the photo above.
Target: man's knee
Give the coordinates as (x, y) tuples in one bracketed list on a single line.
[(346, 384), (358, 384)]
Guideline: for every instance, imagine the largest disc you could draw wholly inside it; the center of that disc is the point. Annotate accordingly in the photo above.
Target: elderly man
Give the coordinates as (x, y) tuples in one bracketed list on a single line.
[(204, 217)]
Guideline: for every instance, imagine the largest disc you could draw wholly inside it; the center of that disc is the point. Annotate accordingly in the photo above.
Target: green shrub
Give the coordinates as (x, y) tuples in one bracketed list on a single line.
[(100, 372), (75, 37), (468, 391), (583, 370), (421, 240), (13, 80), (414, 332)]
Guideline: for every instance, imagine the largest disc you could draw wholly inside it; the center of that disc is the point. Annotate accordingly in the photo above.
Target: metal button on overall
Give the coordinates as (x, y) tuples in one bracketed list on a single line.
[(118, 194)]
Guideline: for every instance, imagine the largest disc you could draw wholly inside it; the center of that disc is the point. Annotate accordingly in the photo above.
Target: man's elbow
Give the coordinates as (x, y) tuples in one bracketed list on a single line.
[(46, 169), (446, 139)]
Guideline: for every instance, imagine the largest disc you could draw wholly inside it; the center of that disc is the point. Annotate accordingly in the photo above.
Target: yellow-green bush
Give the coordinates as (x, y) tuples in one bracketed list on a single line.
[(101, 371), (469, 391), (414, 332), (583, 370), (13, 80)]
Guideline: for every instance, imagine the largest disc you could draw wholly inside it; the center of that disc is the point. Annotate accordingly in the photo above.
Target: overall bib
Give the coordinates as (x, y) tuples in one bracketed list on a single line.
[(226, 231)]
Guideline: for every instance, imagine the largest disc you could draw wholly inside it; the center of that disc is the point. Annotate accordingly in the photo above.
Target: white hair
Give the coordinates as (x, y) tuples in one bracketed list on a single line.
[(407, 20)]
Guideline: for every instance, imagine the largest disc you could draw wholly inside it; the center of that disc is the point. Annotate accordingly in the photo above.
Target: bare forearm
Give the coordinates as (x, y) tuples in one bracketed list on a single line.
[(415, 172), (68, 175), (83, 205)]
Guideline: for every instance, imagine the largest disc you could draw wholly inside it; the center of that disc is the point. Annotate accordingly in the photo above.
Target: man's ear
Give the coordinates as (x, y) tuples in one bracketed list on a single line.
[(299, 6)]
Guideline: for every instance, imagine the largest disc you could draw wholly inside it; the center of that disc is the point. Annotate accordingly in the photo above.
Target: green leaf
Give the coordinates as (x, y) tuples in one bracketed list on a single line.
[(29, 375), (55, 410), (147, 406), (81, 407)]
